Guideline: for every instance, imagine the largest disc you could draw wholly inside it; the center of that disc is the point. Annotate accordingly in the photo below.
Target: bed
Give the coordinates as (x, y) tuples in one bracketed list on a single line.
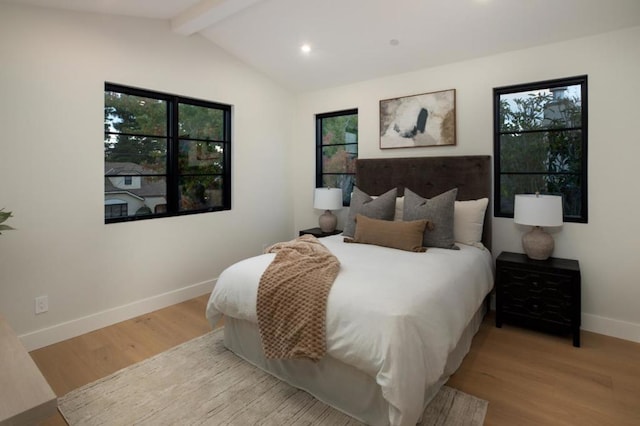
[(398, 323)]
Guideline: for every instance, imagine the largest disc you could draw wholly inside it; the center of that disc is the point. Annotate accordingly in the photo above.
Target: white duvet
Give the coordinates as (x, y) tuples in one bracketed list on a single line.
[(393, 314)]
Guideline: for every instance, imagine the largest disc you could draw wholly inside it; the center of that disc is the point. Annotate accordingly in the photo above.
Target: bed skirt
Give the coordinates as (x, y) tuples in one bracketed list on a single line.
[(331, 381)]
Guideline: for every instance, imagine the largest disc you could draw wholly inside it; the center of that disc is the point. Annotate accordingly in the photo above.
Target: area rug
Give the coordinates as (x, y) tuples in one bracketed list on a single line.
[(202, 383)]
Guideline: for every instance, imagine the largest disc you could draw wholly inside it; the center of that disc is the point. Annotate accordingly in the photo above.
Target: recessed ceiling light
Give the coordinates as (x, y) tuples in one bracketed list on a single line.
[(305, 48)]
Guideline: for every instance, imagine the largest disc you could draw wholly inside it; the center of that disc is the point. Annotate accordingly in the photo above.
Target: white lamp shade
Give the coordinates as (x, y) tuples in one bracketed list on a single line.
[(327, 198), (538, 210)]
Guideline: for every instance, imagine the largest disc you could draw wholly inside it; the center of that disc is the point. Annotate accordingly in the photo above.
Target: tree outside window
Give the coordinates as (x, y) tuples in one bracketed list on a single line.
[(540, 144), (337, 151), (165, 155)]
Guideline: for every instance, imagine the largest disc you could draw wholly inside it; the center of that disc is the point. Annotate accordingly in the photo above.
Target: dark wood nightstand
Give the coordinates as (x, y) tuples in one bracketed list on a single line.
[(540, 294), (317, 232)]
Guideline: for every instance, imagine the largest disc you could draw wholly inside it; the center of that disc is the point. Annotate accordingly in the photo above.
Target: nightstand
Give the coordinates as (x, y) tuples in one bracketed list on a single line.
[(317, 232), (540, 294)]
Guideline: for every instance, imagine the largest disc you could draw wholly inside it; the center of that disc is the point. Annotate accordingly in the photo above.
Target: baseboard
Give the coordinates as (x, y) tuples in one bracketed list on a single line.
[(76, 327), (611, 327), (66, 330)]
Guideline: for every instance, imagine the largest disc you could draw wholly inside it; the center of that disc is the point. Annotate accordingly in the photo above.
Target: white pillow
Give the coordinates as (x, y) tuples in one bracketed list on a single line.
[(468, 221), (399, 208)]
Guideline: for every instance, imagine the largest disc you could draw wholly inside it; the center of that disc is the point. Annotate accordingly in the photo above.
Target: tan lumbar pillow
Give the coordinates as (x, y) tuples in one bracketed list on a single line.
[(395, 234)]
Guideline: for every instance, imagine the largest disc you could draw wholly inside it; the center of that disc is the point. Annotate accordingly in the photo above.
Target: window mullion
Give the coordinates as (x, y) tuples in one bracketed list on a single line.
[(173, 178), (319, 145), (226, 193)]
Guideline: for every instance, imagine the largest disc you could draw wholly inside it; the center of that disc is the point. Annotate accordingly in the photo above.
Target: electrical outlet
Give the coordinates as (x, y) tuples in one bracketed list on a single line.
[(42, 304)]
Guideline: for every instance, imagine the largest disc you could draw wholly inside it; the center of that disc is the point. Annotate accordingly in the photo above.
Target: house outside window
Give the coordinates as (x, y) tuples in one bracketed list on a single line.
[(165, 155), (540, 144), (337, 151)]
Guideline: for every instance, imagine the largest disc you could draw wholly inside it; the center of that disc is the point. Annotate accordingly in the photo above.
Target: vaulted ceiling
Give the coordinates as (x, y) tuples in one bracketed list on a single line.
[(354, 40)]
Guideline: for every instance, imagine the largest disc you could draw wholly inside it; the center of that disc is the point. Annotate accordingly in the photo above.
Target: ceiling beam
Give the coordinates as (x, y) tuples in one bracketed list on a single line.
[(206, 13)]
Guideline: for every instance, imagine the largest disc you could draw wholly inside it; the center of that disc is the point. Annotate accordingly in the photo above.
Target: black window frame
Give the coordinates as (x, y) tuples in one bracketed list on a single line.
[(581, 80), (320, 173), (172, 207)]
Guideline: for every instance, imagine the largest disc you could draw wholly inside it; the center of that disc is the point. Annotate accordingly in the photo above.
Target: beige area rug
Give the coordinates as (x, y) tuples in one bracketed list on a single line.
[(202, 383)]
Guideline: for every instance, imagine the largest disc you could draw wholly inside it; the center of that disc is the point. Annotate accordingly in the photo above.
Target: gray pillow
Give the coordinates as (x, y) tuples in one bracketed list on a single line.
[(382, 207), (439, 211)]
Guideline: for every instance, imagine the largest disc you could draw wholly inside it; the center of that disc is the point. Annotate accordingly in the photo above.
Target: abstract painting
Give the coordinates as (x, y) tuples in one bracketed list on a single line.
[(428, 119)]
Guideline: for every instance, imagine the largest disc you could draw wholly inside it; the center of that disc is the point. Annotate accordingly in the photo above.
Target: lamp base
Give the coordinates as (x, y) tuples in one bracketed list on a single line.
[(328, 221), (538, 244)]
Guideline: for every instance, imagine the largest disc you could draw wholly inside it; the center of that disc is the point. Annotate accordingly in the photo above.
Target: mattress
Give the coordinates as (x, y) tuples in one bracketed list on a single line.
[(393, 317)]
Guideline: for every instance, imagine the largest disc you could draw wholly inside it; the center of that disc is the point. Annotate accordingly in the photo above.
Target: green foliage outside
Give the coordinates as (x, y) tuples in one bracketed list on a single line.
[(3, 217), (339, 152), (136, 132), (540, 148)]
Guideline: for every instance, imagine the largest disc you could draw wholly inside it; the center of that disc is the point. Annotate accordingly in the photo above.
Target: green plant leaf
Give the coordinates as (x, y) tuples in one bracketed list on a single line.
[(6, 228), (4, 215)]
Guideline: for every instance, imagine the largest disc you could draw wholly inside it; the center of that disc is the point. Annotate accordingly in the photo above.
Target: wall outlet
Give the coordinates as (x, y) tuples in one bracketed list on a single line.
[(42, 304)]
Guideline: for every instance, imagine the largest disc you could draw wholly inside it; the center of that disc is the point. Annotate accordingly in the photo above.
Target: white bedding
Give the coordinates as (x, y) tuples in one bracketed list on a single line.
[(393, 314)]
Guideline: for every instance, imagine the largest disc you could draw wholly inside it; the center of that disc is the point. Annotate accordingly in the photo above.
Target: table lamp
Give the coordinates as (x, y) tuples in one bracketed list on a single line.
[(327, 199), (538, 210)]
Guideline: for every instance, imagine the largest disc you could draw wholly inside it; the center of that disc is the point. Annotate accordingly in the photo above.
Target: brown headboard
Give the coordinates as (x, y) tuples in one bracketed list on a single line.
[(430, 176)]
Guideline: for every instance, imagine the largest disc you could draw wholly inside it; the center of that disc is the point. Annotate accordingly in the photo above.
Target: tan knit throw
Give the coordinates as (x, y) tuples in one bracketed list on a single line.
[(292, 299)]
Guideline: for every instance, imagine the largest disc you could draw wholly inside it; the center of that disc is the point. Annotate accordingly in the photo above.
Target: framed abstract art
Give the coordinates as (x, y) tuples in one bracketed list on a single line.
[(422, 120)]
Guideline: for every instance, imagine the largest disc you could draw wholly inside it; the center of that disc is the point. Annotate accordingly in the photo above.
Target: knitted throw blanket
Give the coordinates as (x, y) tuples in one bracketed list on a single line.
[(292, 299)]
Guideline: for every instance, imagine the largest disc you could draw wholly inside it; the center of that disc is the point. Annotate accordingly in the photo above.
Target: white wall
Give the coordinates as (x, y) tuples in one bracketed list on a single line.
[(52, 73), (607, 247)]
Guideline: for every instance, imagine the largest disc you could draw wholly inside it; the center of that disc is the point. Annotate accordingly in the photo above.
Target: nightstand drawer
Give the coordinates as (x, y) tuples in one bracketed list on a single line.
[(535, 282), (537, 295), (538, 309)]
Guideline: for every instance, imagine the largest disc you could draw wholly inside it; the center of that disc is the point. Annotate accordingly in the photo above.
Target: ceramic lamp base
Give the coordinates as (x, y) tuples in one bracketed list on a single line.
[(328, 221), (538, 244)]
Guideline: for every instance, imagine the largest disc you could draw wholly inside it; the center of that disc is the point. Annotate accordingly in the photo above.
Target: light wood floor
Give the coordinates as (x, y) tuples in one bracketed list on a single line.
[(529, 378)]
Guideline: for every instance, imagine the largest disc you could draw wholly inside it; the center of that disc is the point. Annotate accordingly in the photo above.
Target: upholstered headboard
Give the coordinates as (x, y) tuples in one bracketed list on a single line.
[(430, 176)]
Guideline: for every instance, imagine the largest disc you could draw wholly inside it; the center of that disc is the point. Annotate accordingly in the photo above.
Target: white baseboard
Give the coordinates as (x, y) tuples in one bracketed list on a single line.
[(76, 327), (611, 327), (66, 330)]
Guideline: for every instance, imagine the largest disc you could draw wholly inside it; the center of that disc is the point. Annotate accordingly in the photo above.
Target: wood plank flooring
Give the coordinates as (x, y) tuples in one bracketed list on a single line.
[(529, 378)]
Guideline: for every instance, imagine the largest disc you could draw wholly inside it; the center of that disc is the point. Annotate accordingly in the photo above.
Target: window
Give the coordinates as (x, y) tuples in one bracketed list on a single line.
[(337, 151), (164, 155), (116, 208), (540, 144)]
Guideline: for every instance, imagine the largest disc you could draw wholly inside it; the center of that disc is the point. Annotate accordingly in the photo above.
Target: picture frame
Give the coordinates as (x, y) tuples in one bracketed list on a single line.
[(424, 120)]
